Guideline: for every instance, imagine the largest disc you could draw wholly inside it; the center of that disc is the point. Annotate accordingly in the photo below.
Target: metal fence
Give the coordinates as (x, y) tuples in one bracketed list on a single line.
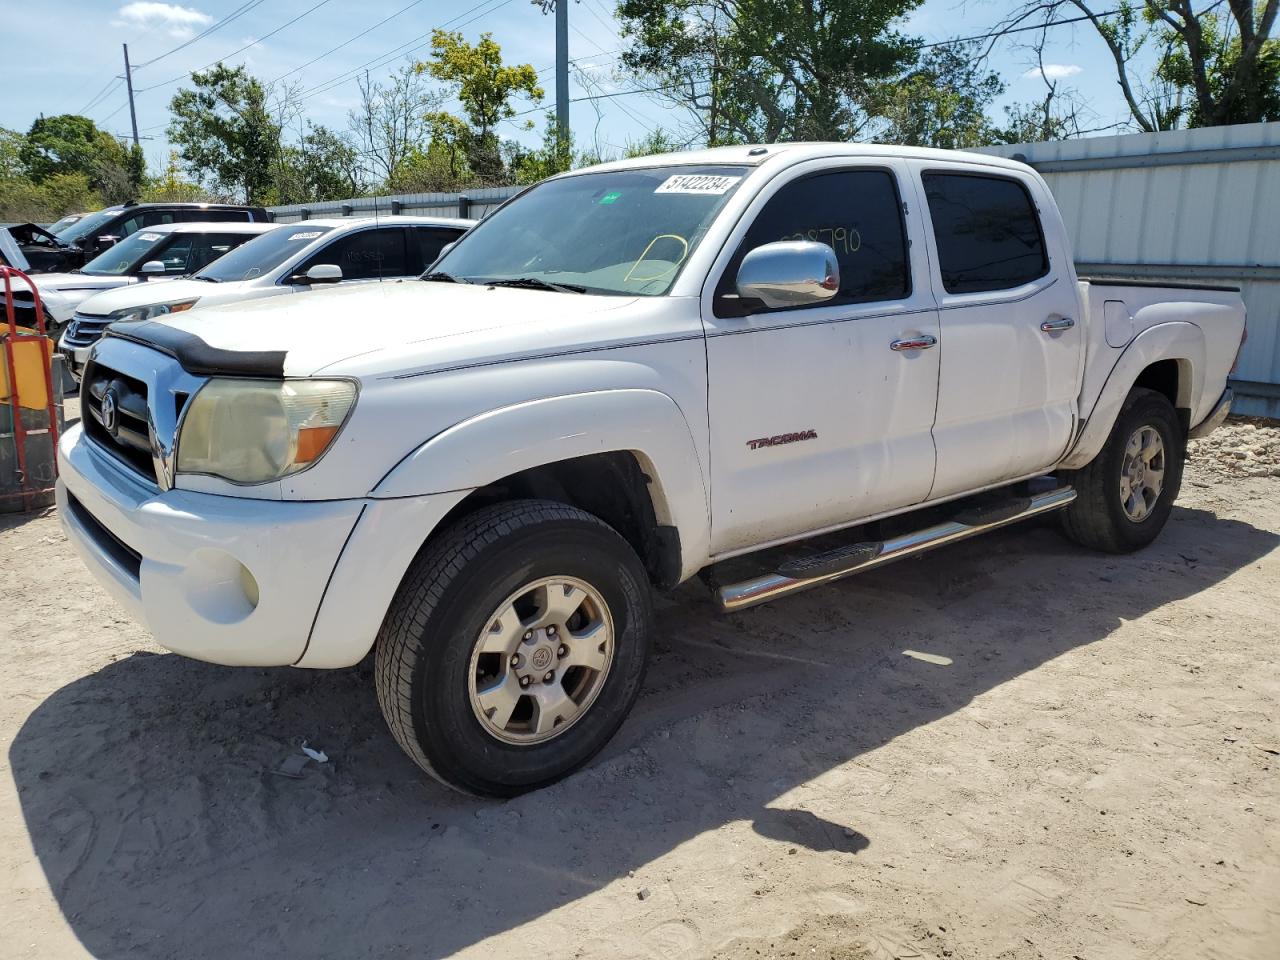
[(1199, 205), (471, 203)]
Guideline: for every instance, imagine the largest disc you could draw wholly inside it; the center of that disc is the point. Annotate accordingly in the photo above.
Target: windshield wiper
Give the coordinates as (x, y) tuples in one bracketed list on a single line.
[(533, 283), (439, 276), (201, 276)]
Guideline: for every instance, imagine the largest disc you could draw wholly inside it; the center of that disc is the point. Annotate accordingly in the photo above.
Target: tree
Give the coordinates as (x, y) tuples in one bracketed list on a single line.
[(172, 187), (70, 144), (391, 121), (225, 133), (1212, 68), (942, 102), (11, 165), (484, 86), (554, 156), (322, 165), (767, 70)]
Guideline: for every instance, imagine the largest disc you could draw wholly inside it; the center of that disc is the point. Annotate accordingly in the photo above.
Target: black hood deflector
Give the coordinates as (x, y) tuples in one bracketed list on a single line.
[(196, 356)]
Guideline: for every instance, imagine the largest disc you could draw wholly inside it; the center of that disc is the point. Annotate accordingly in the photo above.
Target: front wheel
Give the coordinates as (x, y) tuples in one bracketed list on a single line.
[(515, 647), (1125, 494)]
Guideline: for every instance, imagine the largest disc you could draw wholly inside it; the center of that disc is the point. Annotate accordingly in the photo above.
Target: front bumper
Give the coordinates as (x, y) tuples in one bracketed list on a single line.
[(1215, 418), (222, 579)]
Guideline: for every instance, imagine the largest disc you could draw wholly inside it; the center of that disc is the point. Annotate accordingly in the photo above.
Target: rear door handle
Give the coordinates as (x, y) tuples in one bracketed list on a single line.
[(1058, 325), (914, 343)]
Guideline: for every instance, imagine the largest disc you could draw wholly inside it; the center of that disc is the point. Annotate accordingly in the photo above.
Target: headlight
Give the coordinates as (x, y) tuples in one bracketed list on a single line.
[(151, 312), (255, 431)]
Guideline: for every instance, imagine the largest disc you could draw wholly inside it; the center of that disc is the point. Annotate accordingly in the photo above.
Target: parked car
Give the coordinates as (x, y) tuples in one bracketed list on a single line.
[(156, 253), (625, 376), (70, 247), (289, 259)]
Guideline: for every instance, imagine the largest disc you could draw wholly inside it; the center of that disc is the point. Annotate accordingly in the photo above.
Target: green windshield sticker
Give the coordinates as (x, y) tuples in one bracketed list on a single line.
[(611, 196)]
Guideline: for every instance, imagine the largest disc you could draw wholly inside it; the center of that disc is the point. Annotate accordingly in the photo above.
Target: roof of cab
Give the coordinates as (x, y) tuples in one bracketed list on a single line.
[(779, 154)]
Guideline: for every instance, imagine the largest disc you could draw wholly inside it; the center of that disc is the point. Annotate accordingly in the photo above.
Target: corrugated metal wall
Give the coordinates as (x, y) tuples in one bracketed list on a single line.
[(1200, 205)]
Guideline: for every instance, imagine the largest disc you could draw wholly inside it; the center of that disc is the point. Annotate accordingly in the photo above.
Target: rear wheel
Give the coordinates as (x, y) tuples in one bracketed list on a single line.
[(1125, 495), (515, 647)]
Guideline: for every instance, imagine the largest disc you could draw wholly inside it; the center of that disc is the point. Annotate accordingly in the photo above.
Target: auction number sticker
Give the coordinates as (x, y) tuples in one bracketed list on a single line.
[(703, 183), (307, 235), (149, 237)]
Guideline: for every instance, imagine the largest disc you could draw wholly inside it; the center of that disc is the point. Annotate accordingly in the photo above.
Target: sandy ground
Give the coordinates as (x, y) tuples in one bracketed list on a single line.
[(1012, 748)]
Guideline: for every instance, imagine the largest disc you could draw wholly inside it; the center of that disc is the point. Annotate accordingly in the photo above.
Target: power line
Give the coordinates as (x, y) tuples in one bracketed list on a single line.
[(349, 40), (417, 43), (233, 15), (251, 43), (107, 89)]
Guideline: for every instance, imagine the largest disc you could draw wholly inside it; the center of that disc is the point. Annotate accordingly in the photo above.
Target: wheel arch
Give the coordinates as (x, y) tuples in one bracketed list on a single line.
[(635, 443), (1168, 358)]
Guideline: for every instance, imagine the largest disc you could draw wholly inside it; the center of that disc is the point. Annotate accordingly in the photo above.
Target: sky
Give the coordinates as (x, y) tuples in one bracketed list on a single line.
[(64, 56)]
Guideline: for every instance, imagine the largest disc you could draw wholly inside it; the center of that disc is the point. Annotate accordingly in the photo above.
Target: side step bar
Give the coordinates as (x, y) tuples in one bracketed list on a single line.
[(797, 575)]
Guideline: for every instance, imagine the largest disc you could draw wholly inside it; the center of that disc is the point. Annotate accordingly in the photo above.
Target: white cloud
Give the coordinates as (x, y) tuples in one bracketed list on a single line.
[(178, 22), (1055, 71)]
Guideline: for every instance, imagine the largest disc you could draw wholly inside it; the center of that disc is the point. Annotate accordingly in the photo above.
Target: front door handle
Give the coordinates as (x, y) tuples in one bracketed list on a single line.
[(1057, 325), (914, 343)]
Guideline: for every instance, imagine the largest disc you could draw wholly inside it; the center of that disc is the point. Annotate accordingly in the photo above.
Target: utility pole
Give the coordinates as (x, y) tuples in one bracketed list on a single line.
[(562, 69), (128, 79)]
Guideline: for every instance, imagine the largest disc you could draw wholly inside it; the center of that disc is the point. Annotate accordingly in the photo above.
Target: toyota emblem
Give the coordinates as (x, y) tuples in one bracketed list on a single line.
[(109, 411)]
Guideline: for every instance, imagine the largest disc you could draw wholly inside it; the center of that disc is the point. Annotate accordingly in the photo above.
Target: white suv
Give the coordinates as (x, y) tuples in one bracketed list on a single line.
[(290, 258)]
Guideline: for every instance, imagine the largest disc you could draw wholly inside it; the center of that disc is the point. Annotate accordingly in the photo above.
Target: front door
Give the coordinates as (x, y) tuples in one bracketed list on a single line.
[(1012, 346), (816, 418)]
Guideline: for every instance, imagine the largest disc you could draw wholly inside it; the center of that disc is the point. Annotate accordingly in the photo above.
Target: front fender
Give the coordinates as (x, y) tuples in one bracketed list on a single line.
[(1180, 341), (501, 442)]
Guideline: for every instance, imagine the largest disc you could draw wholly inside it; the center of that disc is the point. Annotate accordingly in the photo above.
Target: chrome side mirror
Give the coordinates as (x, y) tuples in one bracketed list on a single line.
[(151, 268), (789, 273)]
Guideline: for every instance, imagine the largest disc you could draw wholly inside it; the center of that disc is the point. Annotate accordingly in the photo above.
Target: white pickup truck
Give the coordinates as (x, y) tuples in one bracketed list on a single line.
[(623, 377)]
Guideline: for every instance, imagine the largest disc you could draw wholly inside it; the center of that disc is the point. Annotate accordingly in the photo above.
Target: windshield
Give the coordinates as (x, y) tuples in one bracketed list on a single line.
[(126, 256), (263, 254), (619, 232), (85, 225), (59, 226)]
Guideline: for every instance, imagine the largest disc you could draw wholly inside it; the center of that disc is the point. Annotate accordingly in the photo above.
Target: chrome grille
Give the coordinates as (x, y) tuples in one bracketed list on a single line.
[(115, 413), (85, 330), (131, 401)]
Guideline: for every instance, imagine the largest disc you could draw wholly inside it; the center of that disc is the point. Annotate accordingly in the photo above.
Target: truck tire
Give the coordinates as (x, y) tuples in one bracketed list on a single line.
[(1125, 494), (514, 647)]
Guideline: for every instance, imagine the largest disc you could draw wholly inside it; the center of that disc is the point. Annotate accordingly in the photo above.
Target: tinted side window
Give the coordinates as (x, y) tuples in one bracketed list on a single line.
[(177, 254), (855, 212), (988, 234), (428, 242), (210, 246), (128, 226), (366, 255)]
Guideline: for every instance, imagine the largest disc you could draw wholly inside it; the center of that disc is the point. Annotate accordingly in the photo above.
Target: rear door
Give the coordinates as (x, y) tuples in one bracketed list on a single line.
[(1012, 346), (818, 416)]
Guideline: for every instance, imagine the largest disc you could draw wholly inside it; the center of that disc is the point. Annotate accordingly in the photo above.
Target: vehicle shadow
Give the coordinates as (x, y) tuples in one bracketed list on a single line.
[(149, 793)]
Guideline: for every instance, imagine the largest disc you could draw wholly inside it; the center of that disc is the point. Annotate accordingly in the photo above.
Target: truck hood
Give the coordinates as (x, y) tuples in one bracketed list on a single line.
[(389, 329)]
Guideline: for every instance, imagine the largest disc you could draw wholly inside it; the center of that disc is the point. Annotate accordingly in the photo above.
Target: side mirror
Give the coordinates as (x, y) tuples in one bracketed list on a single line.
[(320, 273), (443, 250), (151, 268), (105, 242), (789, 273)]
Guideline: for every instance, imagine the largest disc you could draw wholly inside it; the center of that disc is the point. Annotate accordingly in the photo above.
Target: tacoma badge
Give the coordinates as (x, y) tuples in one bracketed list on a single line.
[(781, 438)]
